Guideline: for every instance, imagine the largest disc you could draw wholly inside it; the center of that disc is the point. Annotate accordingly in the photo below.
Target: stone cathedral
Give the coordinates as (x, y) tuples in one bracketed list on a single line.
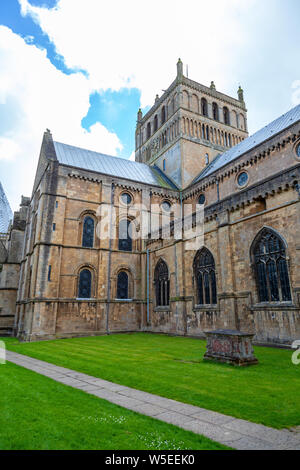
[(70, 265)]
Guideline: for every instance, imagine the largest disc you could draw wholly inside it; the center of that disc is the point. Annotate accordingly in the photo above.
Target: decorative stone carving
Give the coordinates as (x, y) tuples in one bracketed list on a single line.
[(231, 346)]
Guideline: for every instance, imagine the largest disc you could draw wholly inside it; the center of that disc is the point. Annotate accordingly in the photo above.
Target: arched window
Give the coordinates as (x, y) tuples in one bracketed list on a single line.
[(226, 115), (242, 122), (148, 130), (85, 284), (207, 133), (125, 239), (205, 276), (88, 232), (162, 284), (203, 106), (269, 256), (33, 233), (226, 141), (215, 109), (155, 123), (163, 115), (235, 119), (122, 285)]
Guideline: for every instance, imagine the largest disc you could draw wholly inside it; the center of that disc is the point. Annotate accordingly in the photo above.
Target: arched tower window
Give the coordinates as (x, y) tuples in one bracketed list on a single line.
[(88, 232), (226, 115), (163, 115), (235, 120), (155, 123), (205, 276), (122, 285), (85, 284), (215, 109), (272, 278), (204, 107), (242, 122), (125, 239), (148, 130), (162, 284)]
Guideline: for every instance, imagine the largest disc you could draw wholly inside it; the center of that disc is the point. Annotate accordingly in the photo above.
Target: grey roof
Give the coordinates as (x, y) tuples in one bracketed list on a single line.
[(6, 214), (108, 165), (283, 122)]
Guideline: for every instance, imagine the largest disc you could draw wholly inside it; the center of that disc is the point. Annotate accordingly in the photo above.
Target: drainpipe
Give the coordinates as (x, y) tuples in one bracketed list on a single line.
[(148, 269), (181, 211), (148, 282), (183, 266), (109, 257)]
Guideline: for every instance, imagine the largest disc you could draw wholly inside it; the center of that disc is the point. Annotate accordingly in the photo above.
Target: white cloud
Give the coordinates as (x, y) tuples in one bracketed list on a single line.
[(8, 148), (98, 138), (137, 43), (296, 92), (39, 96)]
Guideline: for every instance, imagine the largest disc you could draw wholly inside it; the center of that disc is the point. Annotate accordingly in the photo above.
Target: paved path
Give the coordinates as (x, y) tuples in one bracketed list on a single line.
[(233, 432)]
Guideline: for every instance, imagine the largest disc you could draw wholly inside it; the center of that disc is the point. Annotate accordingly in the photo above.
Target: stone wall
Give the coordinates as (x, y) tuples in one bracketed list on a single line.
[(48, 304), (11, 252), (229, 236)]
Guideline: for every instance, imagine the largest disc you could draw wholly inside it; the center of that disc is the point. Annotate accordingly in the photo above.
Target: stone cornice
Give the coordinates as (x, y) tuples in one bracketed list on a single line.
[(80, 176)]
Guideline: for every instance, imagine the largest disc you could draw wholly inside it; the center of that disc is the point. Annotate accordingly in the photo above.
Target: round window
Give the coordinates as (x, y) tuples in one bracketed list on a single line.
[(201, 199), (298, 150), (126, 198), (166, 206), (242, 178)]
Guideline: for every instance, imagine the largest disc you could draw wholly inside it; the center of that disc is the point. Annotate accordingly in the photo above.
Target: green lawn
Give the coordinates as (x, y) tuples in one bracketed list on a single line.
[(267, 393), (39, 413)]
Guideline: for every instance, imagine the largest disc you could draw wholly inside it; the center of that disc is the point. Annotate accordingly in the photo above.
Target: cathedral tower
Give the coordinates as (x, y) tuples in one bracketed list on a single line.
[(188, 126)]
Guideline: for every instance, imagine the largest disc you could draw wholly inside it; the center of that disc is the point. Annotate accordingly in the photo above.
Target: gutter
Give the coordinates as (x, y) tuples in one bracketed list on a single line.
[(148, 285), (109, 257)]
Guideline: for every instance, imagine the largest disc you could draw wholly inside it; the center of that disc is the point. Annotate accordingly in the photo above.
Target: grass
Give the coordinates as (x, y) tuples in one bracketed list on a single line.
[(267, 393), (39, 413)]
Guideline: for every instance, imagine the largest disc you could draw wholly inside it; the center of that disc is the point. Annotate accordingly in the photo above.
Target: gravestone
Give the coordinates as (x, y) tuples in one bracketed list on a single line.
[(230, 346)]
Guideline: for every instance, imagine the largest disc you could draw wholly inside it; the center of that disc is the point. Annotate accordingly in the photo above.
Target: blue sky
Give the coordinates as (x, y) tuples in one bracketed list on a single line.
[(84, 67)]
